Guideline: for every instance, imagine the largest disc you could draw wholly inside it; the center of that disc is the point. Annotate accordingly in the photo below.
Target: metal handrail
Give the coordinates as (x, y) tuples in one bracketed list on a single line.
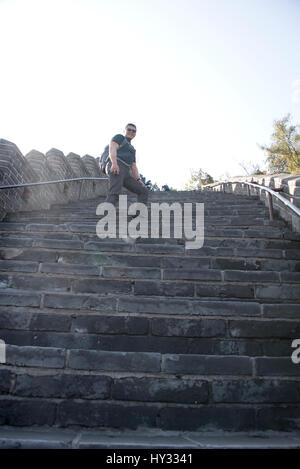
[(27, 184), (270, 192)]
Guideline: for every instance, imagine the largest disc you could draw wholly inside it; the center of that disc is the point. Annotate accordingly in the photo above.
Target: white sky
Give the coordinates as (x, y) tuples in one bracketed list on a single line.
[(203, 80)]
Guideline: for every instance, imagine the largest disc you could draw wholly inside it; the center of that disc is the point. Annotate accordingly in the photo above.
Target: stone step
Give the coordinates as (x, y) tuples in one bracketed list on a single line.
[(208, 206), (239, 221), (158, 399), (244, 346), (163, 416), (112, 283), (153, 305), (212, 236), (114, 272), (37, 437), (148, 257), (96, 386), (102, 333), (265, 336), (142, 364), (175, 247)]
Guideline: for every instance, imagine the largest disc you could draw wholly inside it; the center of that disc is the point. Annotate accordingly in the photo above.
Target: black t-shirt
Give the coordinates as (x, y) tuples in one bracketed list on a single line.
[(127, 152)]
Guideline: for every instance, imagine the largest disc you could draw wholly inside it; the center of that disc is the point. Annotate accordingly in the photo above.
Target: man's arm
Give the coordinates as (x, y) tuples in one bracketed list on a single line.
[(113, 147), (136, 174)]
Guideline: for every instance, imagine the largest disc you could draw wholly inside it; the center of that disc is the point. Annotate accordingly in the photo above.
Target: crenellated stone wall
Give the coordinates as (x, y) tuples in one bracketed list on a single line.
[(35, 167), (289, 185)]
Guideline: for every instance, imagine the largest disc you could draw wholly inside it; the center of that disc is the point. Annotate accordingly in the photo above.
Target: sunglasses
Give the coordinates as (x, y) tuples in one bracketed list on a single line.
[(131, 130)]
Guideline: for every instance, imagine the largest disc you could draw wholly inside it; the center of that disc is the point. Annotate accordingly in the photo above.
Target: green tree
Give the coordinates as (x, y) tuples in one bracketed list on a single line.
[(198, 178), (155, 187), (283, 154), (251, 168)]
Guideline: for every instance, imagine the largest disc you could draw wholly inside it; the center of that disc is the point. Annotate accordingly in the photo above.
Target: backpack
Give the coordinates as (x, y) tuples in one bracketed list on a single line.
[(104, 157)]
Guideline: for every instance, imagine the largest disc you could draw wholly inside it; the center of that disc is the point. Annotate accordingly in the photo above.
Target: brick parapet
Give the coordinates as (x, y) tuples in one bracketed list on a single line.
[(36, 167), (289, 185)]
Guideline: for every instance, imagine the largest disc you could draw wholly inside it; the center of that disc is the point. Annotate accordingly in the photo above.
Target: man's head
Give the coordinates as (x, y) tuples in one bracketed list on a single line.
[(130, 131)]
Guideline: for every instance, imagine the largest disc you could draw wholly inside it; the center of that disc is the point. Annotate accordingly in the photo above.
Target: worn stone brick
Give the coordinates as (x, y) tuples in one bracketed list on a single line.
[(256, 391), (276, 366), (5, 381), (188, 327), (225, 308), (251, 276), (290, 277), (193, 364), (40, 283), (78, 269), (101, 286), (235, 264), (46, 227), (114, 361), (35, 356), (26, 412), (264, 329), (18, 266), (15, 242), (111, 325), (265, 253), (28, 255), (277, 347), (58, 244), (102, 246), (63, 386), (185, 263), (159, 248), (102, 414), (131, 272), (153, 305), (50, 322), (292, 254), (278, 418), (19, 298), (17, 320), (225, 291), (160, 390), (208, 418), (163, 288), (278, 291), (286, 310), (69, 301), (193, 274)]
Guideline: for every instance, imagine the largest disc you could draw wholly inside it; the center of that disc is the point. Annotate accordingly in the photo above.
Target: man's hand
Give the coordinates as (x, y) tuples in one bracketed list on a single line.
[(114, 168), (141, 182)]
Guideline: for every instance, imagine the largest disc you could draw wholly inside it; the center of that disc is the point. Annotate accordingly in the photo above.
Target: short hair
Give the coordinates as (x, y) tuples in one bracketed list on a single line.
[(133, 125)]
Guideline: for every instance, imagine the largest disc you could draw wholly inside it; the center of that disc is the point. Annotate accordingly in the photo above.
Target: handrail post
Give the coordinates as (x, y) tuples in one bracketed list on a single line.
[(270, 201), (80, 190)]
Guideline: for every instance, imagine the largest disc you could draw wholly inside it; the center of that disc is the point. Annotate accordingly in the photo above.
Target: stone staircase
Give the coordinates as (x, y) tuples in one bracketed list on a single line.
[(105, 334)]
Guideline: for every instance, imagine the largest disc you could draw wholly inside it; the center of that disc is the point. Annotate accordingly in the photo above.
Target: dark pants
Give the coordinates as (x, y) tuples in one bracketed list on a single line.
[(124, 179)]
